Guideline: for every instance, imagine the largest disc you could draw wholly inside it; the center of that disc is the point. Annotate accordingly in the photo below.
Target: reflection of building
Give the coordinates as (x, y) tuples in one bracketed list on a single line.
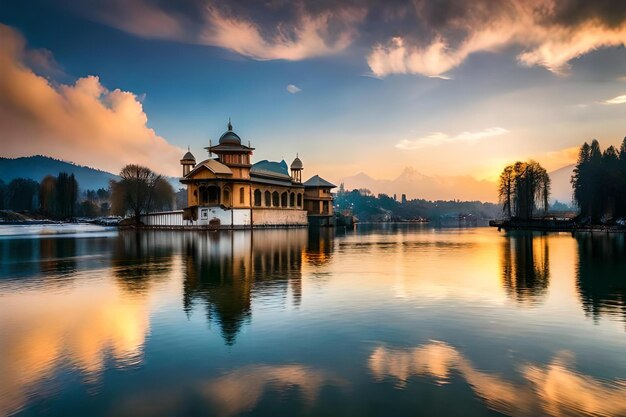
[(601, 272), (228, 191), (320, 246), (525, 267), (224, 272)]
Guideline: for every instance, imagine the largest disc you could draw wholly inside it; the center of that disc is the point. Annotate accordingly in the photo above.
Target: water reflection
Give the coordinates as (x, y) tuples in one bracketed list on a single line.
[(80, 327), (240, 390), (525, 267), (225, 271), (601, 275), (77, 310), (320, 246), (554, 388), (142, 259)]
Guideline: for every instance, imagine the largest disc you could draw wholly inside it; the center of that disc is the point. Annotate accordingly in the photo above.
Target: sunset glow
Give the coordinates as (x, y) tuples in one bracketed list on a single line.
[(439, 81)]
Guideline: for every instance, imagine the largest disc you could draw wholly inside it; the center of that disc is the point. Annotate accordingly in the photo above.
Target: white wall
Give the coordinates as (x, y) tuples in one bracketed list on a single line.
[(228, 218)]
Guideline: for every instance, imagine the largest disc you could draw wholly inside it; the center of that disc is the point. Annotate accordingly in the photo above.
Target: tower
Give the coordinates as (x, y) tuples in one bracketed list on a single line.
[(296, 170), (188, 162), (232, 153)]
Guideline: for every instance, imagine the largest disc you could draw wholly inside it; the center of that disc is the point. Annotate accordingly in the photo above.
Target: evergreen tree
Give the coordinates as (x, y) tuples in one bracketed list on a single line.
[(66, 195), (22, 195), (47, 196)]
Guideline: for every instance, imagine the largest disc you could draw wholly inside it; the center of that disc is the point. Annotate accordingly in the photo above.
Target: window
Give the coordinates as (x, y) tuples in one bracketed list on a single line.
[(275, 201), (268, 199), (299, 200), (242, 197), (257, 197), (226, 197), (283, 199), (292, 199)]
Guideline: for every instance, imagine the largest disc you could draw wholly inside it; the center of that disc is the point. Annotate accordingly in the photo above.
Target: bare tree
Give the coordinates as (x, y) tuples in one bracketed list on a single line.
[(139, 191)]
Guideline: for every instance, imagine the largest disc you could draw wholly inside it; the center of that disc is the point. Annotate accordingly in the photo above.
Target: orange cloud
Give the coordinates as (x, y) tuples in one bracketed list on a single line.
[(308, 37), (533, 25), (84, 122)]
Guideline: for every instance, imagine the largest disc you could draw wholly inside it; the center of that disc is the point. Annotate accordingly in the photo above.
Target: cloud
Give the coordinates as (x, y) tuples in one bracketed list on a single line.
[(616, 100), (403, 37), (289, 31), (440, 138), (293, 89), (545, 30), (83, 122), (308, 36)]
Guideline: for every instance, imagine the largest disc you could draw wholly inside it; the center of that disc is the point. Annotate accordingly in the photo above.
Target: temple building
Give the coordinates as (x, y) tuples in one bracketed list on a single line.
[(227, 191)]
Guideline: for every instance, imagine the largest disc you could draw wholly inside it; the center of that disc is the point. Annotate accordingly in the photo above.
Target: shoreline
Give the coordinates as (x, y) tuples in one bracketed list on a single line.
[(554, 226)]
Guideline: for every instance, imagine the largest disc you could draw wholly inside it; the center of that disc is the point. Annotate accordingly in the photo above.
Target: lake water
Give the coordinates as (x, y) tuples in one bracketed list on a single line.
[(379, 321)]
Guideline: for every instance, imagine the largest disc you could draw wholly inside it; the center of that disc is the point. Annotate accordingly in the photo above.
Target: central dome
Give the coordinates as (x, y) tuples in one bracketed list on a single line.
[(229, 137)]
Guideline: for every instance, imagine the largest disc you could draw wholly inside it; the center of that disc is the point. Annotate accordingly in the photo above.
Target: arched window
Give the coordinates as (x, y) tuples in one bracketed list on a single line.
[(299, 200), (242, 196), (275, 201), (257, 197), (283, 199), (292, 199), (213, 195), (268, 199)]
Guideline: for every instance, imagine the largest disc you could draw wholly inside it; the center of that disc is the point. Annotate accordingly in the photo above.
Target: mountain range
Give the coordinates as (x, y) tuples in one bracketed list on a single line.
[(434, 187)]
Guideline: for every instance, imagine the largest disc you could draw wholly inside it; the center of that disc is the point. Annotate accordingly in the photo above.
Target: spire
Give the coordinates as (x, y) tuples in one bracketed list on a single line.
[(230, 125)]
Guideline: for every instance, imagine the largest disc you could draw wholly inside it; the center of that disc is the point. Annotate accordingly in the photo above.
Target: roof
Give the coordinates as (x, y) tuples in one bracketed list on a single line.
[(297, 164), (269, 181), (317, 181), (229, 137), (229, 148), (188, 157), (212, 165), (271, 169)]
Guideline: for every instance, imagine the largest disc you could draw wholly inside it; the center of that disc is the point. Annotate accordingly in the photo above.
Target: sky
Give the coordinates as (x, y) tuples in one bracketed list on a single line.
[(447, 88)]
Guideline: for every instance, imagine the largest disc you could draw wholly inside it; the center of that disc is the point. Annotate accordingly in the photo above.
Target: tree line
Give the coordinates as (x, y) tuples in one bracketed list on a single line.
[(138, 191), (367, 207), (599, 182)]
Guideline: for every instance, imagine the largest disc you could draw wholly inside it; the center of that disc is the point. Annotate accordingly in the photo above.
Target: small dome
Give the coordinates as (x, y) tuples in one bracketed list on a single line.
[(230, 137), (189, 156), (297, 164)]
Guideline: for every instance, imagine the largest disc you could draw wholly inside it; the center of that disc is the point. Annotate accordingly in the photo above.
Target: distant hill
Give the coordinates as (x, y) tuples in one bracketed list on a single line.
[(417, 185), (38, 166)]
